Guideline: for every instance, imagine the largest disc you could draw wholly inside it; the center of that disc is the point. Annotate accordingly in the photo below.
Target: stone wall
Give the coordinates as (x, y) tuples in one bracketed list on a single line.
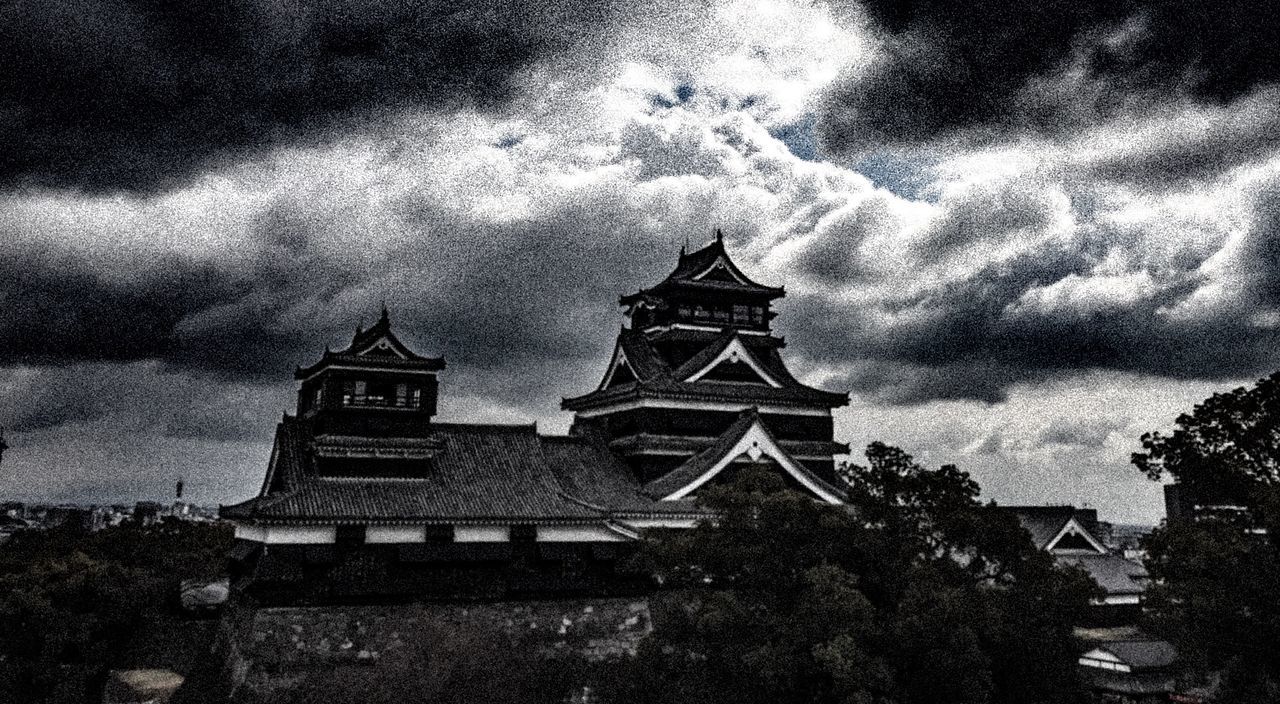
[(274, 646)]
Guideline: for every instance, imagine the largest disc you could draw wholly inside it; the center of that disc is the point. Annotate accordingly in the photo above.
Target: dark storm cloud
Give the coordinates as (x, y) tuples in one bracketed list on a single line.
[(978, 70), (1048, 313), (143, 94), (61, 308), (135, 398), (67, 308), (523, 311), (946, 69)]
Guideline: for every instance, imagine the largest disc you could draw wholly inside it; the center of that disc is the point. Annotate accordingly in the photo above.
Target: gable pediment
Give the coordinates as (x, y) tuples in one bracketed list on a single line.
[(1074, 537), (735, 363), (619, 372), (754, 444), (721, 271), (384, 346)]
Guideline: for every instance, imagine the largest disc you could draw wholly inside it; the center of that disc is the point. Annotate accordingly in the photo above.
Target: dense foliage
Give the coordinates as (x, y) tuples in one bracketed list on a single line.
[(1226, 450), (1216, 577), (915, 592), (73, 604)]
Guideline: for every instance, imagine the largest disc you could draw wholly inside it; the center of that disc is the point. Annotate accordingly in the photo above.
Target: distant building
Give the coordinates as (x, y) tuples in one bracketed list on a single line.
[(1128, 667), (1119, 663), (1183, 503), (77, 518), (367, 496), (147, 512), (1069, 534)]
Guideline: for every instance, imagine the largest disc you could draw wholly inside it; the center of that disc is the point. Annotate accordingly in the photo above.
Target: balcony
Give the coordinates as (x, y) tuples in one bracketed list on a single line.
[(376, 401)]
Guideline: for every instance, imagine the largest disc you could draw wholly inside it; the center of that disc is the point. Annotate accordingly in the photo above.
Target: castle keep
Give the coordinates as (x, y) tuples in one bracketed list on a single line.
[(368, 496)]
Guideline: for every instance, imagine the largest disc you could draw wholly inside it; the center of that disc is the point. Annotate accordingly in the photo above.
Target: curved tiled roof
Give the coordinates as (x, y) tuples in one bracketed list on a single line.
[(698, 465), (640, 442), (479, 473), (1142, 654), (1114, 573), (799, 395), (690, 265), (351, 356), (655, 379)]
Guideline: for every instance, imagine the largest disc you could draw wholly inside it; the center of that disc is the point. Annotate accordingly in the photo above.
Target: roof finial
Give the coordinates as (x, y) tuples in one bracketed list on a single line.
[(386, 316), (719, 236)]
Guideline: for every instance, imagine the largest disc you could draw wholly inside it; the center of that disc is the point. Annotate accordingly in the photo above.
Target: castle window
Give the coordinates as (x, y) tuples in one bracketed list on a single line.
[(415, 397), (700, 312), (402, 395), (379, 394), (349, 535), (438, 534), (740, 314), (524, 533), (720, 314), (319, 396), (757, 314)]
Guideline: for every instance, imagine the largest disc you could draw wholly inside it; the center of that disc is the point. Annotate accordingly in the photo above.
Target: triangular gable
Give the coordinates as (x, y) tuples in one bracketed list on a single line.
[(722, 270), (1102, 654), (620, 371), (384, 346), (755, 443), (735, 352), (1068, 538), (1104, 659)]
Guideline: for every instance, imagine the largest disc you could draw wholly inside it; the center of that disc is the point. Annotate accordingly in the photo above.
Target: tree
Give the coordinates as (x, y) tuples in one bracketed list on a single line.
[(1226, 450), (1214, 592), (70, 602), (913, 592)]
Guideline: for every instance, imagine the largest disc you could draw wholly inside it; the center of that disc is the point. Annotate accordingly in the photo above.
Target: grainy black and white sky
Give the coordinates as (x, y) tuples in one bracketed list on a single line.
[(1020, 233)]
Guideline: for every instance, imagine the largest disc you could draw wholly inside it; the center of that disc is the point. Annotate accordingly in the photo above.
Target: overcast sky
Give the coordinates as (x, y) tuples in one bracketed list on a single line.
[(1020, 237)]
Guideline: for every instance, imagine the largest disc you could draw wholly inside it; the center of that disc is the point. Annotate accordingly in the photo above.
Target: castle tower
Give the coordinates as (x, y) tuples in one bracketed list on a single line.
[(698, 363), (375, 387)]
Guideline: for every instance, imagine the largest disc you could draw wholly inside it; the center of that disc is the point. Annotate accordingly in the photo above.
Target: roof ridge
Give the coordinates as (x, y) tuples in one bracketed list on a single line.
[(512, 427)]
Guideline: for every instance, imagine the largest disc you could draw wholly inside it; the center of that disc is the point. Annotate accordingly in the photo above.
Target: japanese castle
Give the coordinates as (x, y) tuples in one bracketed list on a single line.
[(368, 496)]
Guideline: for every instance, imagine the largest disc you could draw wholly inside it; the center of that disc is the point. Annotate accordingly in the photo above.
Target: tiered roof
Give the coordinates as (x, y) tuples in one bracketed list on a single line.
[(653, 376), (378, 347), (708, 270)]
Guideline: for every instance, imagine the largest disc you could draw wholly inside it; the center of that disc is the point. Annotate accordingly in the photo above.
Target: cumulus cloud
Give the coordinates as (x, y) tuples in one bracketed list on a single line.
[(1079, 432)]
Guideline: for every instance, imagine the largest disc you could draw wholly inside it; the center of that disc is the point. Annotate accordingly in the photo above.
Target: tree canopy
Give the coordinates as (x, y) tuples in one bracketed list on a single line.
[(1215, 574), (913, 592), (74, 604), (1226, 449)]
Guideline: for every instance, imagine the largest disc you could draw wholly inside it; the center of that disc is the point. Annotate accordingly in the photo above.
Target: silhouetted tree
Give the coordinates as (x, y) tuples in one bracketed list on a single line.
[(1216, 575), (914, 592), (71, 601)]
